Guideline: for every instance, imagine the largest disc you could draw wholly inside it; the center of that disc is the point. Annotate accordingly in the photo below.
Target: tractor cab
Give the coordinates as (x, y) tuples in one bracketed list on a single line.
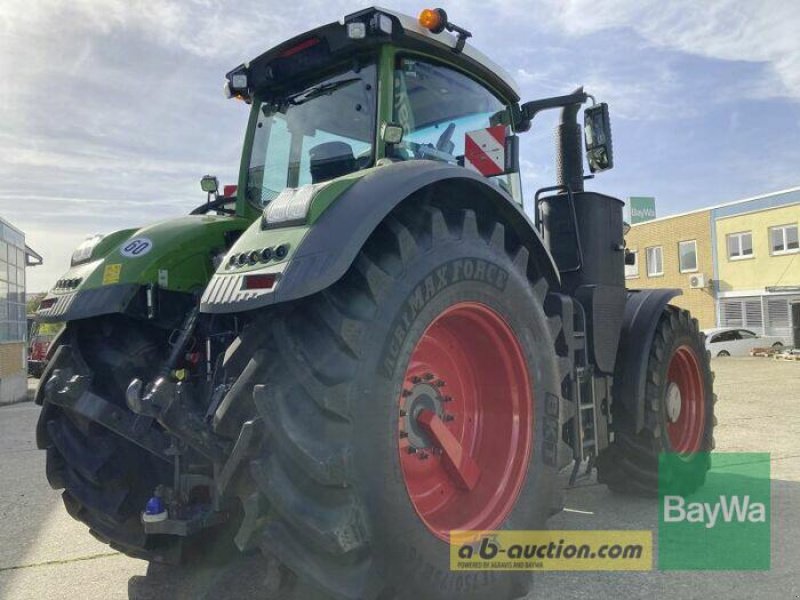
[(376, 88)]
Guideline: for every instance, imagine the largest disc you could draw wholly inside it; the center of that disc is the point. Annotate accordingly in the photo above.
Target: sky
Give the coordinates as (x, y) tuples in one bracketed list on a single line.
[(112, 110)]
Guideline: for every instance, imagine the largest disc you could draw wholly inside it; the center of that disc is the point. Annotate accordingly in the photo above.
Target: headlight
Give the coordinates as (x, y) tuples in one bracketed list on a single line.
[(84, 252), (291, 205)]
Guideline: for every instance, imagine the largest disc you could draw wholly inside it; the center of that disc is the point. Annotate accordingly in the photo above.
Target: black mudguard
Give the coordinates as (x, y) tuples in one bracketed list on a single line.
[(334, 241), (642, 311)]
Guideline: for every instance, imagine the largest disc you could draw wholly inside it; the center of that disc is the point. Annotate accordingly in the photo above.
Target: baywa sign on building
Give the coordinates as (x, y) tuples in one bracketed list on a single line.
[(643, 208)]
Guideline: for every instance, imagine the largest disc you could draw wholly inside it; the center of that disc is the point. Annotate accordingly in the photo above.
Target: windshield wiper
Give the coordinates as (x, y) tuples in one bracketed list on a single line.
[(320, 90)]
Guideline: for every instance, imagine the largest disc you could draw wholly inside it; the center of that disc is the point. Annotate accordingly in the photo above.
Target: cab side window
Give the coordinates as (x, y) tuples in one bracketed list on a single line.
[(436, 107)]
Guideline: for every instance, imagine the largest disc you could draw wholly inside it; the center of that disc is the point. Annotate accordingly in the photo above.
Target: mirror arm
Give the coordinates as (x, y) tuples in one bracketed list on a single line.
[(529, 110)]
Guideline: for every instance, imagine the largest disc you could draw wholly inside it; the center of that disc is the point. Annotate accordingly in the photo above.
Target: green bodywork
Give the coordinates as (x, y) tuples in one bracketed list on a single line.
[(180, 258)]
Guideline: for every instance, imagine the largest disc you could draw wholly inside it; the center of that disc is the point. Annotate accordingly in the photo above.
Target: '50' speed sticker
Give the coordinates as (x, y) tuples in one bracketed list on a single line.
[(136, 247)]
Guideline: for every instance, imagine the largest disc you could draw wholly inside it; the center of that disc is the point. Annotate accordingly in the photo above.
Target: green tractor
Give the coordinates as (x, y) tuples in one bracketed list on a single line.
[(392, 351)]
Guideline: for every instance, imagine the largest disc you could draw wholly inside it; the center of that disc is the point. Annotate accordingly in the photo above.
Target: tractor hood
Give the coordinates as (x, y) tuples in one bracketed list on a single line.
[(178, 255)]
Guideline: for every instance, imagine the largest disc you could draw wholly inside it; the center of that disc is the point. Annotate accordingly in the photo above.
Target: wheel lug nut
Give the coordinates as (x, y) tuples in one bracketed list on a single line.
[(406, 393), (427, 376), (422, 455), (438, 383), (416, 379)]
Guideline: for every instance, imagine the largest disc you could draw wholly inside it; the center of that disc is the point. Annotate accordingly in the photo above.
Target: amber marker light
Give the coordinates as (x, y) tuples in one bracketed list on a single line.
[(433, 19)]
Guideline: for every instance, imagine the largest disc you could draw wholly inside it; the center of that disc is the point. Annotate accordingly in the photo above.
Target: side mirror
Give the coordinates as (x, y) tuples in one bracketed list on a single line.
[(597, 134), (209, 184)]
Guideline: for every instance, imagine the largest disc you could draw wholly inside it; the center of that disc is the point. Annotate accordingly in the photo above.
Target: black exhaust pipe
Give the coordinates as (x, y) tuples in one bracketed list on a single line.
[(569, 156)]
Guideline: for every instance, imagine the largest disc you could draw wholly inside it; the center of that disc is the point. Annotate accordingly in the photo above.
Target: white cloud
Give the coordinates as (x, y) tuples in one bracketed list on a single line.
[(729, 30)]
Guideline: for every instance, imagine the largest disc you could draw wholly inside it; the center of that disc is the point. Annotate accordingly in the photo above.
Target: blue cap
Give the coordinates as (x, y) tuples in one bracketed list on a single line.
[(154, 506)]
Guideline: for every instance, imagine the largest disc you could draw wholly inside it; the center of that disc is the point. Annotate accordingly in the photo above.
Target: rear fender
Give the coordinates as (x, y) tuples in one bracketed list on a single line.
[(643, 309), (322, 253)]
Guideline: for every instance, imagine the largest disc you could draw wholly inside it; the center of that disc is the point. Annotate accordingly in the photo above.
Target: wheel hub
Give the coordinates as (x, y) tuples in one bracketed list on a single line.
[(420, 397), (673, 402)]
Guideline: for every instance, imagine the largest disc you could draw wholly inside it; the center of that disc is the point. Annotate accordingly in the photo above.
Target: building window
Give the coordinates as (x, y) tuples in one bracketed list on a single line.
[(632, 271), (655, 261), (687, 256), (740, 245), (13, 325), (783, 239)]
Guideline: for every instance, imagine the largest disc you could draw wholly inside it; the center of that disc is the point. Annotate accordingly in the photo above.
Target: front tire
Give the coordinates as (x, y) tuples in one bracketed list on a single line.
[(353, 511), (107, 479)]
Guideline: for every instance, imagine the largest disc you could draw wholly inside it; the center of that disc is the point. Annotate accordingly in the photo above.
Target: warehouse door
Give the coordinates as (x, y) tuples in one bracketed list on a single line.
[(779, 321)]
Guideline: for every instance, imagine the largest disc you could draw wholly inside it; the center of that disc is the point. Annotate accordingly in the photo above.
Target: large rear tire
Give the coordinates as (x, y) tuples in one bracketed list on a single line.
[(679, 415), (437, 314), (107, 479)]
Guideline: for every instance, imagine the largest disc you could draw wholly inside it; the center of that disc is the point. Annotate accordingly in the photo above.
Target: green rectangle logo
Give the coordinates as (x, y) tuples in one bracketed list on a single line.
[(643, 208), (724, 525)]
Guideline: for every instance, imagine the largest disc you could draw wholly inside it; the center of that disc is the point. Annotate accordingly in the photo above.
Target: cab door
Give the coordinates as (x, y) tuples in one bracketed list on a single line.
[(437, 106)]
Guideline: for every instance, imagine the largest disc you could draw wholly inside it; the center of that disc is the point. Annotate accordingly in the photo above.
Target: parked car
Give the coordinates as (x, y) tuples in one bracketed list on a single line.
[(733, 341)]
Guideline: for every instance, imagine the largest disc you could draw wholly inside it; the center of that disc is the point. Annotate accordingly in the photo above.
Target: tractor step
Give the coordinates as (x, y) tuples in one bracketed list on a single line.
[(587, 389)]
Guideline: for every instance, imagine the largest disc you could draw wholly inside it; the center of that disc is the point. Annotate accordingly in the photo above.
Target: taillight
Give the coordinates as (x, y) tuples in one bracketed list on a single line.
[(304, 45), (260, 281)]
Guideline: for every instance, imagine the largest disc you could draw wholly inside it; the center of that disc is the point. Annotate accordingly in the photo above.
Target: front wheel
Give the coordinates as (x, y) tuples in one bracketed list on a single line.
[(406, 402), (106, 479), (679, 415)]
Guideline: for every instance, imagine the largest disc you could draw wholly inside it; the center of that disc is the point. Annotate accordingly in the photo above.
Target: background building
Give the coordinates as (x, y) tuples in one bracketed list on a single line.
[(676, 252), (737, 264), (757, 269), (14, 257)]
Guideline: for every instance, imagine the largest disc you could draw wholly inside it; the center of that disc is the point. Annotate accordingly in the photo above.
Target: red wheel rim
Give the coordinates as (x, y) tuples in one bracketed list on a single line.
[(465, 421), (685, 402)]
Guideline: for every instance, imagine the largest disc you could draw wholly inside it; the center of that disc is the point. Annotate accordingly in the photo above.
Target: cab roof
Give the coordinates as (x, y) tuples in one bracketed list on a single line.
[(304, 55), (412, 26)]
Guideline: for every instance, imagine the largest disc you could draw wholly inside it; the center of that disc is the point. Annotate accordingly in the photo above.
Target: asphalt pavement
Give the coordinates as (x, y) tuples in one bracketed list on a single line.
[(45, 554)]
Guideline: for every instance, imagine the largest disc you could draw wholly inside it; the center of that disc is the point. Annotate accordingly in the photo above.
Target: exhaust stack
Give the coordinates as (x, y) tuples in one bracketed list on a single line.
[(569, 156)]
